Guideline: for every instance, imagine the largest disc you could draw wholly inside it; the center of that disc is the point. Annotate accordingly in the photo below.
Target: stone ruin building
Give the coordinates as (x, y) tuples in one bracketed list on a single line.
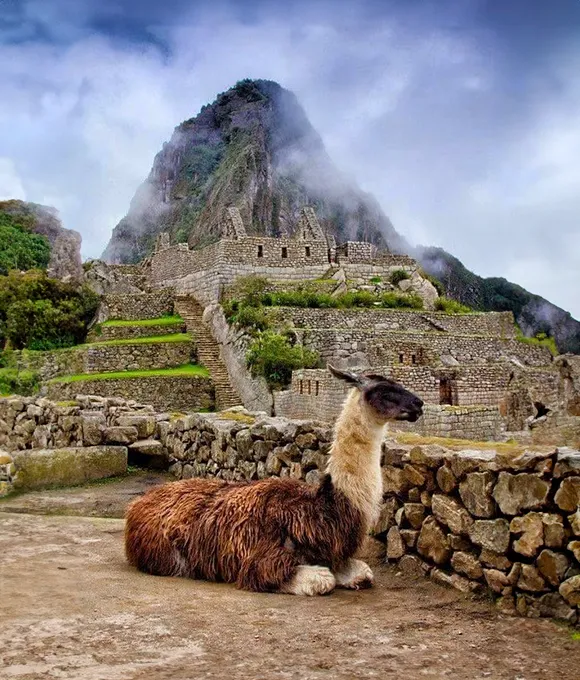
[(478, 380)]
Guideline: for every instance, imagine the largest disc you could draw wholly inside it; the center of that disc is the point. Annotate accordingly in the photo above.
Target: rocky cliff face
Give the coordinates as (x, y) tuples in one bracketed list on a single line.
[(255, 149), (65, 244)]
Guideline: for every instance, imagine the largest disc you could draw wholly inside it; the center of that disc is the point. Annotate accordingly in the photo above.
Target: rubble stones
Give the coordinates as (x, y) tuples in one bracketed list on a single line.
[(493, 534), (531, 528), (432, 542), (395, 544), (475, 491), (553, 566), (568, 495), (467, 564), (446, 479), (523, 491), (450, 512), (570, 590)]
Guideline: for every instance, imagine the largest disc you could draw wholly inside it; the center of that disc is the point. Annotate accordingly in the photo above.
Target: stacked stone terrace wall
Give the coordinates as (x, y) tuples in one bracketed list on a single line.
[(477, 423), (140, 356), (492, 324), (384, 347), (506, 523), (136, 306), (177, 393), (104, 358), (130, 332)]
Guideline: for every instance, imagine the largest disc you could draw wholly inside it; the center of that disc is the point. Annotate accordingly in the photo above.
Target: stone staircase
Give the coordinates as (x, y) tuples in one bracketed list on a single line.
[(208, 351)]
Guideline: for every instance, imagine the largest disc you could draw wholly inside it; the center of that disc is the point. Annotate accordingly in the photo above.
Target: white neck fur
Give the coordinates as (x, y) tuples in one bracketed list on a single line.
[(355, 458)]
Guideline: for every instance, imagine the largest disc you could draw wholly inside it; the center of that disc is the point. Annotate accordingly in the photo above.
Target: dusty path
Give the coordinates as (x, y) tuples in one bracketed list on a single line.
[(72, 609)]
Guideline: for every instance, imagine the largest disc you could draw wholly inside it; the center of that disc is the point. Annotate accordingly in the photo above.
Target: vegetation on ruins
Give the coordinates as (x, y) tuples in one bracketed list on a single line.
[(251, 296), (185, 370), (273, 356), (160, 321), (539, 340), (443, 304), (38, 312), (14, 381), (21, 249), (398, 275)]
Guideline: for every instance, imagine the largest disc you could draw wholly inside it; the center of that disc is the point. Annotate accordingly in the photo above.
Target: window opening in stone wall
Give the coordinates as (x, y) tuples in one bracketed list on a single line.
[(316, 388), (284, 253), (260, 251), (447, 392), (301, 386), (309, 386), (541, 409), (307, 251), (413, 358), (401, 358)]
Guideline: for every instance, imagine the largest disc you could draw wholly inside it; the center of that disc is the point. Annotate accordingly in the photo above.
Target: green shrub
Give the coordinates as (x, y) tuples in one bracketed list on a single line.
[(13, 381), (539, 340), (250, 289), (251, 318), (399, 275), (444, 304), (273, 357), (38, 312), (19, 248), (376, 280), (401, 301)]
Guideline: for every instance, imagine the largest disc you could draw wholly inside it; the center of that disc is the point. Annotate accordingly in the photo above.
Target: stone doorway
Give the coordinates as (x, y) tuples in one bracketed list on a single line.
[(447, 392)]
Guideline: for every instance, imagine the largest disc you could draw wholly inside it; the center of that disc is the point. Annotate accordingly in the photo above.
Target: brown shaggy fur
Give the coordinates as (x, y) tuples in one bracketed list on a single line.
[(278, 534), (251, 534)]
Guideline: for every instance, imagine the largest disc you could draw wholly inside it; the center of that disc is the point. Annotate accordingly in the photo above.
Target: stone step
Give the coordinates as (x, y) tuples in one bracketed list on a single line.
[(45, 468)]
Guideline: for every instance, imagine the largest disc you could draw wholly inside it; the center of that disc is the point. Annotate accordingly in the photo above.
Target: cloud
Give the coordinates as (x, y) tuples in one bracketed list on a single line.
[(10, 182), (418, 106)]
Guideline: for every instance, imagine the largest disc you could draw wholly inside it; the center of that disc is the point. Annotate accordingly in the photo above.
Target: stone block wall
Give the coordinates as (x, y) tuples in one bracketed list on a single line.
[(128, 332), (139, 356), (135, 306), (484, 520), (492, 324), (476, 423), (383, 347), (505, 522), (177, 393)]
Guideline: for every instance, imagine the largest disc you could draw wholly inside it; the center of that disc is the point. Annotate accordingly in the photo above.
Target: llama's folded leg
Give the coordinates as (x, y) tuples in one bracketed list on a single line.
[(310, 580), (355, 574), (267, 568)]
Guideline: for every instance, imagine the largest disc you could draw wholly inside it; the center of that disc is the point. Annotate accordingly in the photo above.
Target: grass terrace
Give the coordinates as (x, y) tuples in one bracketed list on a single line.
[(174, 337), (192, 370), (161, 321)]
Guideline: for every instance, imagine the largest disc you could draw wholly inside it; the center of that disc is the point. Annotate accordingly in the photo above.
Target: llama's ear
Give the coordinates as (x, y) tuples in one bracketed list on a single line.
[(347, 376)]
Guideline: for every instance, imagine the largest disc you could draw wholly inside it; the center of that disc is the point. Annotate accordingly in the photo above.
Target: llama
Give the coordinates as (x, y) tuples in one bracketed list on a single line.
[(278, 535)]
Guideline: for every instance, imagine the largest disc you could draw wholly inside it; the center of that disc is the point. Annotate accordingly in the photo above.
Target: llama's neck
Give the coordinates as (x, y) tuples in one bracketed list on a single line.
[(355, 459)]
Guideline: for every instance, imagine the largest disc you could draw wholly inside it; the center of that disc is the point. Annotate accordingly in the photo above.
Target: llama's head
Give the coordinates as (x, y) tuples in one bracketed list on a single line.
[(383, 397)]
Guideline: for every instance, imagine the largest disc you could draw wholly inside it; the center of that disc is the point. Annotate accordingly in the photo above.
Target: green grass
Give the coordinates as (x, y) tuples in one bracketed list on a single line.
[(173, 337), (185, 370), (161, 321), (511, 447)]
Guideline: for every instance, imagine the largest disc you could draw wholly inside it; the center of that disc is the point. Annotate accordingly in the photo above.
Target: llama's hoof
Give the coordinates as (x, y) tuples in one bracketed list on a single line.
[(356, 575), (310, 580)]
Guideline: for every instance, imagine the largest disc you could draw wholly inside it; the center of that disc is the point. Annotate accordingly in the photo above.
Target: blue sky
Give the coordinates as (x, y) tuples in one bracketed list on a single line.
[(462, 117)]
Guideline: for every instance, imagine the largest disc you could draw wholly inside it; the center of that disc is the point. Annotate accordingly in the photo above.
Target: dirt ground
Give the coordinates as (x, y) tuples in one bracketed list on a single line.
[(71, 608)]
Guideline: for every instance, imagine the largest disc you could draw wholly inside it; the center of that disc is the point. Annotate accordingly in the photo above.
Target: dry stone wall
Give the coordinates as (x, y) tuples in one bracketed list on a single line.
[(105, 333), (496, 324), (503, 522), (177, 393), (484, 520), (135, 306), (383, 347)]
